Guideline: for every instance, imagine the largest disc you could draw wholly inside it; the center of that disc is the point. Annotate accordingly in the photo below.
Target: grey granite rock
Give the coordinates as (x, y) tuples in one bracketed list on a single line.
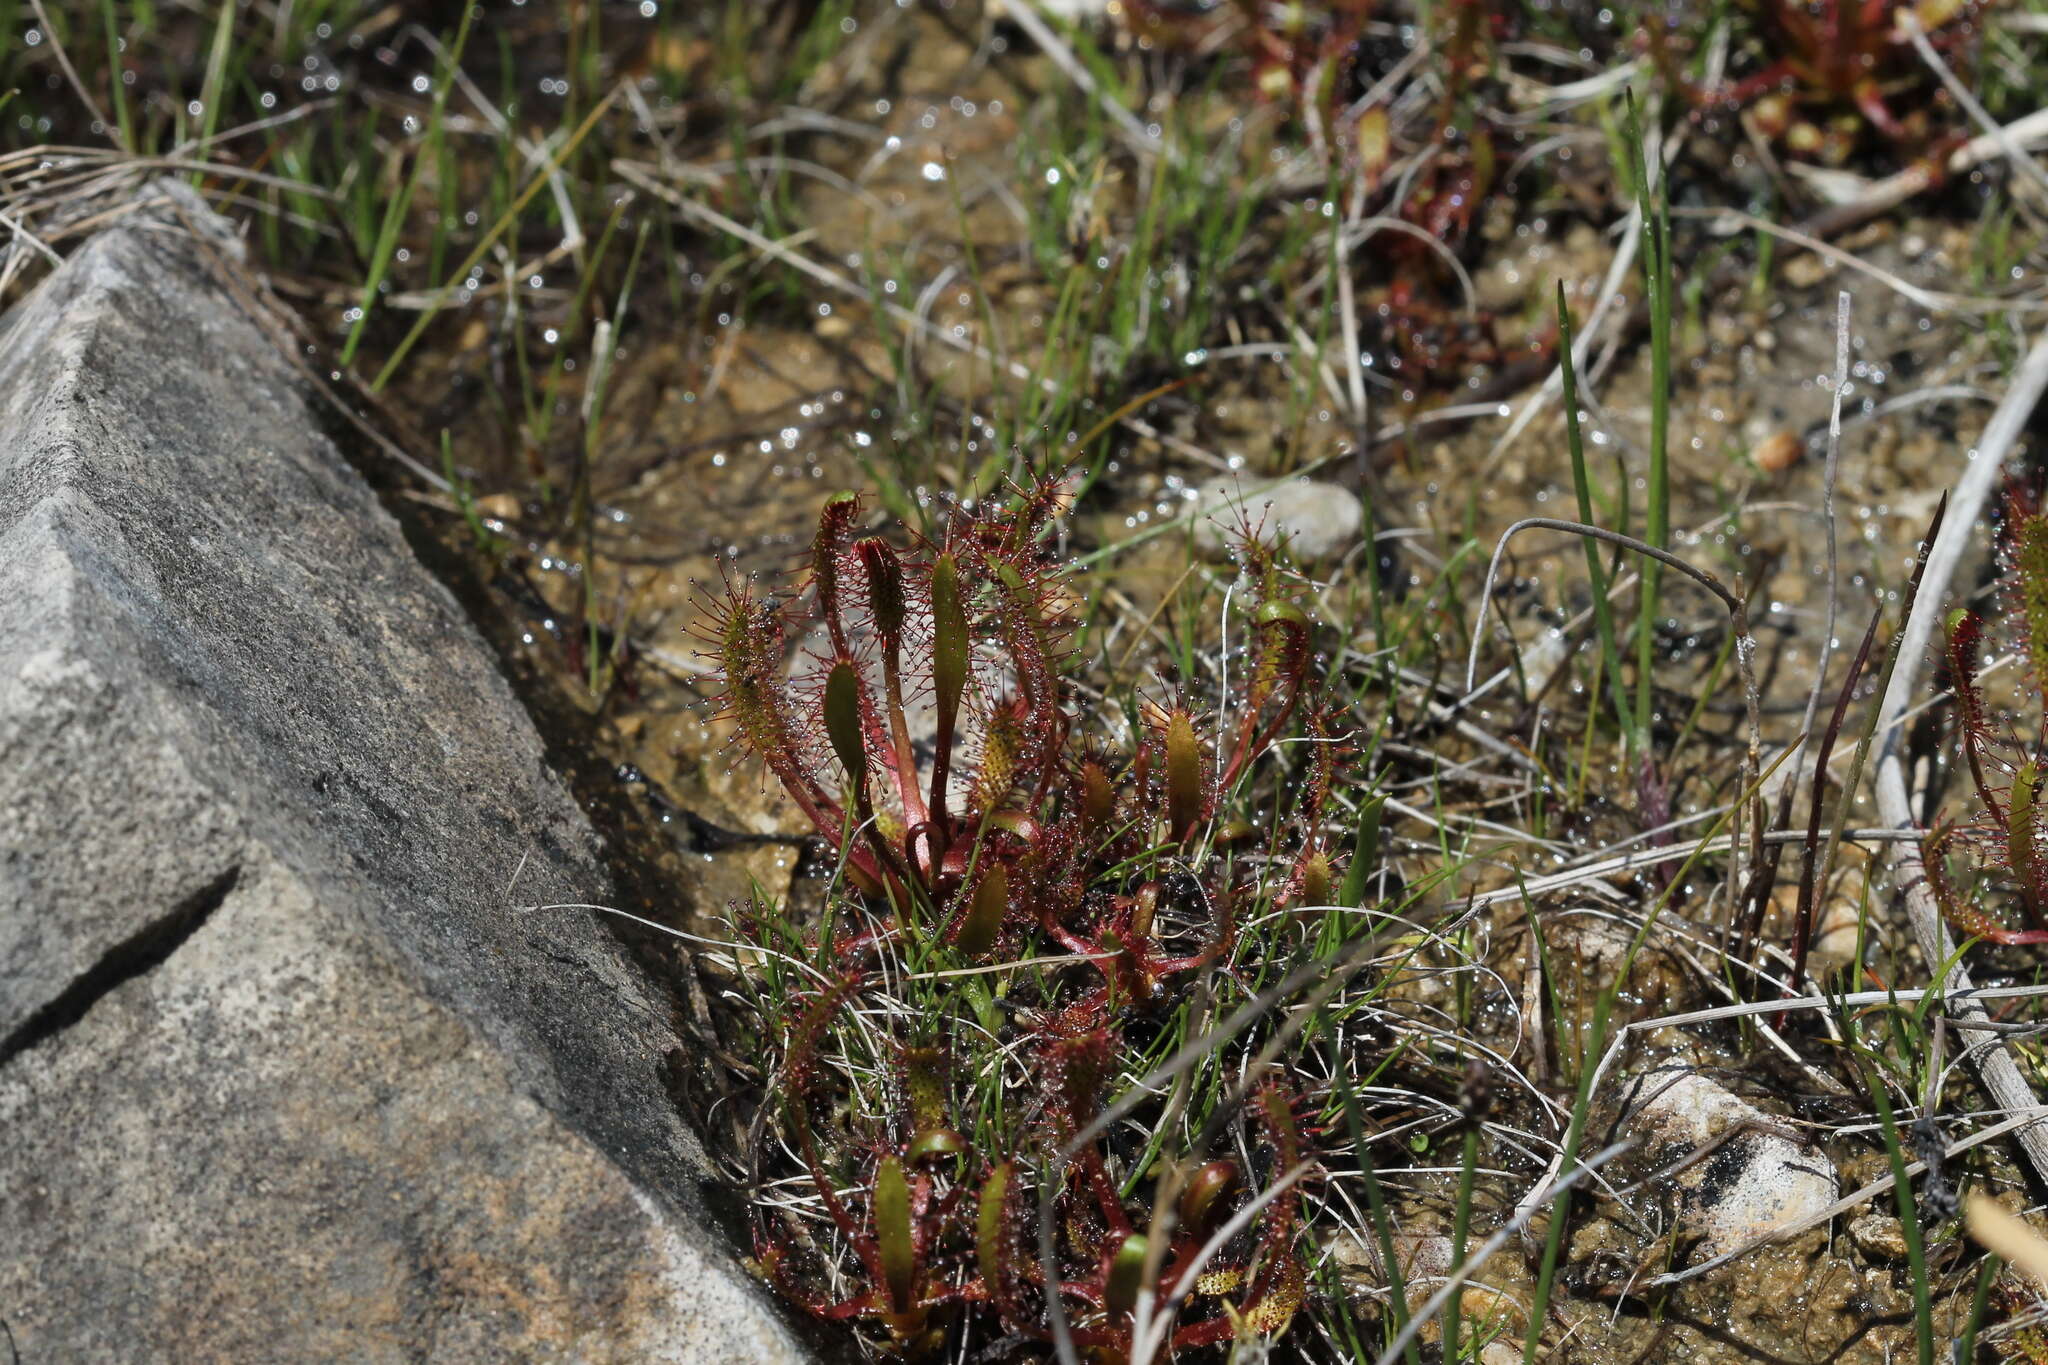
[(283, 1073), (1320, 520), (1757, 1182)]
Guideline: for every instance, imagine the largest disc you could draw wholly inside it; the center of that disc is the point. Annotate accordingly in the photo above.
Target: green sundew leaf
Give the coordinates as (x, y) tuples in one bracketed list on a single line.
[(2030, 565), (1183, 774), (892, 1233), (924, 1080), (842, 720), (949, 635), (1002, 740), (1098, 796), (2023, 831), (985, 914), (1280, 654), (933, 1142), (1126, 1271), (988, 1227), (1315, 879)]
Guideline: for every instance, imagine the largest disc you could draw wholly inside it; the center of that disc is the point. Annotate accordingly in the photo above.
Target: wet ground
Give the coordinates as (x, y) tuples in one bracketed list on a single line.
[(719, 440)]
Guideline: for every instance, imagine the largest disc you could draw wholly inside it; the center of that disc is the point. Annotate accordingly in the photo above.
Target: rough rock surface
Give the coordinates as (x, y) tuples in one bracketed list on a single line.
[(1756, 1181), (283, 1075)]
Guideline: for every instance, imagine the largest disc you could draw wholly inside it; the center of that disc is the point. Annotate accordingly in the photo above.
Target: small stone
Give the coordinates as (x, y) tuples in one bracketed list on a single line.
[(1542, 657), (1879, 1237), (502, 508), (1727, 329), (1320, 520), (1421, 1255), (1804, 272), (1840, 921), (1777, 452), (1755, 1183), (1424, 1259)]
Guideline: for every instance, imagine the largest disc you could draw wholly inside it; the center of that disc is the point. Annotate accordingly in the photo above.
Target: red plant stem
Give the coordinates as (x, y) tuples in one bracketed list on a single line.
[(1105, 1191), (2010, 938), (821, 810), (1802, 935), (905, 766), (1249, 751), (1049, 767), (942, 771)]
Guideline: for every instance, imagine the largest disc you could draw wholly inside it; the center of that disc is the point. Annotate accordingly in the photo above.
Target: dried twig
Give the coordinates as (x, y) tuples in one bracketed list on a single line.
[(1995, 1067), (1724, 221), (1893, 190), (92, 106), (1024, 13), (1910, 23)]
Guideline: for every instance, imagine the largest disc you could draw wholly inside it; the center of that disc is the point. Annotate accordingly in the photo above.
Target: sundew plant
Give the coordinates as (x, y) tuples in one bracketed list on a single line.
[(1055, 1060)]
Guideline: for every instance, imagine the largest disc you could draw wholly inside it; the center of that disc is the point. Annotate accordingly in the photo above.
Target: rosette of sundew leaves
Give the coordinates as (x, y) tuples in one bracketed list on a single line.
[(1019, 918)]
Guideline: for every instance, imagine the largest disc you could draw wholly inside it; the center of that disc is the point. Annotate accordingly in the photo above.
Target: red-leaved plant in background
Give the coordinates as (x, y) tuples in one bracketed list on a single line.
[(2005, 845), (935, 740), (1824, 58)]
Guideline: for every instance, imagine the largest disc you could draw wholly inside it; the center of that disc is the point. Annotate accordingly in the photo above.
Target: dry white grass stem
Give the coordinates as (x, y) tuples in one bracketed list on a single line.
[(1996, 1069)]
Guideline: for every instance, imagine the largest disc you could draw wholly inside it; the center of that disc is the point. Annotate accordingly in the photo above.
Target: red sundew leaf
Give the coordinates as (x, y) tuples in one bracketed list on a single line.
[(1204, 1188), (835, 525), (1965, 630)]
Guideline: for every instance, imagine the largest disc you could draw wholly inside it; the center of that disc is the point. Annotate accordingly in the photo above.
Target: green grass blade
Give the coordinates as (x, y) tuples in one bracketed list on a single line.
[(484, 244), (1655, 252), (1909, 1222), (123, 120), (395, 212), (1634, 725), (1365, 851), (216, 77)]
